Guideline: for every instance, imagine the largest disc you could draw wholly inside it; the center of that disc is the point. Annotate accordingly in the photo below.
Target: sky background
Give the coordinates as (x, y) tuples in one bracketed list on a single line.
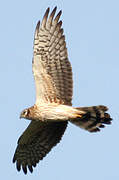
[(92, 36)]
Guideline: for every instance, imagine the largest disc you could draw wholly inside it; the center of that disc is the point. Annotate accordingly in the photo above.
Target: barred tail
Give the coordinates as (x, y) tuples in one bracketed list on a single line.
[(94, 118)]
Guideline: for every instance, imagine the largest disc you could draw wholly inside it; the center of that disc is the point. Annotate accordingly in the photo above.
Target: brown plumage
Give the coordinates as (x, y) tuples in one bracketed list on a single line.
[(54, 86)]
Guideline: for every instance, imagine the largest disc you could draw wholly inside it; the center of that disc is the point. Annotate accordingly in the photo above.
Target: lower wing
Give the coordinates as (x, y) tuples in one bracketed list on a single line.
[(36, 141)]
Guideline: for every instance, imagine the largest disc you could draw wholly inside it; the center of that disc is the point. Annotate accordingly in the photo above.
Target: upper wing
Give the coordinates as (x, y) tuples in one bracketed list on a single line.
[(51, 68), (36, 142)]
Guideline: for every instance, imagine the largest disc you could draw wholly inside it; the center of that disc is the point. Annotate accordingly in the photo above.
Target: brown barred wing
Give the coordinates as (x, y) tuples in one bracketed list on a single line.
[(51, 67)]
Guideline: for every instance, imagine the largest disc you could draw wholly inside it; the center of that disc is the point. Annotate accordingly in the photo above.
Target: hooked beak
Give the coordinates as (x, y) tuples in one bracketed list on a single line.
[(20, 116)]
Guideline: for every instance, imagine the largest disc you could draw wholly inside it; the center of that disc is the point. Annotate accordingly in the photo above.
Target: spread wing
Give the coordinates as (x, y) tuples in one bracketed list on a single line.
[(51, 68), (36, 142)]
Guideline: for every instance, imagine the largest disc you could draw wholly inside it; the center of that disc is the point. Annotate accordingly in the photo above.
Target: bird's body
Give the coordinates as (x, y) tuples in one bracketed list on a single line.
[(52, 112), (54, 88)]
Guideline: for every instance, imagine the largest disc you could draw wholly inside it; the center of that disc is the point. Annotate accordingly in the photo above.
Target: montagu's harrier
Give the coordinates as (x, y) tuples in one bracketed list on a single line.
[(53, 108)]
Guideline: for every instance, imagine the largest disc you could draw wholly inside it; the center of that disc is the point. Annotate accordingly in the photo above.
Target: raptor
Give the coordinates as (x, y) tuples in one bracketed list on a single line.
[(53, 107)]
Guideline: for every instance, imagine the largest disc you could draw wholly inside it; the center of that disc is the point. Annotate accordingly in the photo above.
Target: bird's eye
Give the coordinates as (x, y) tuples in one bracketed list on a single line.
[(25, 112)]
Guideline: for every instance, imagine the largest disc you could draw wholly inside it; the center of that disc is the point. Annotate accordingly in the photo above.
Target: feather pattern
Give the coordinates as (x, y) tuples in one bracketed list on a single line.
[(37, 140), (51, 68), (52, 110)]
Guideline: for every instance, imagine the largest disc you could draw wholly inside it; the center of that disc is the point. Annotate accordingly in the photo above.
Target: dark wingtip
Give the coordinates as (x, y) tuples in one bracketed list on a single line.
[(37, 29), (13, 160), (18, 166), (60, 12), (101, 126), (53, 11), (55, 8), (34, 164), (24, 169), (60, 23), (30, 168), (58, 16), (47, 12), (38, 24)]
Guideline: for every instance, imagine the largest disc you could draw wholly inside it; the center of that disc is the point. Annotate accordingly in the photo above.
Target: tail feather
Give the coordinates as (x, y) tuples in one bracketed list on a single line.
[(94, 118)]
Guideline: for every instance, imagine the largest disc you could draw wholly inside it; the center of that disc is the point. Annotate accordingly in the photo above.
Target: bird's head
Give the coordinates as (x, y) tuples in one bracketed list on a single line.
[(25, 114)]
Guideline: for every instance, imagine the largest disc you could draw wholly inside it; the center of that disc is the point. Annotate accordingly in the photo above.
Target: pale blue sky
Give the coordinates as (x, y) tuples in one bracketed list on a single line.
[(92, 35)]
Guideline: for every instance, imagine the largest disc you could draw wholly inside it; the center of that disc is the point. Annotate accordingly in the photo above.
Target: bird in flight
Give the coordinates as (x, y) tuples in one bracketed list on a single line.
[(53, 107)]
